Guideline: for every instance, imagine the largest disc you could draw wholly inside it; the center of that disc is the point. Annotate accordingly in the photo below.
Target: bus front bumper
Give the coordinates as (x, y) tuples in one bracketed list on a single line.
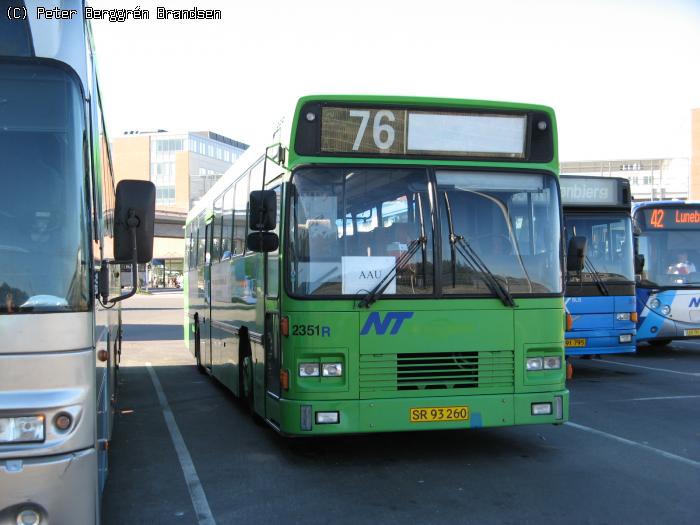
[(392, 415), (62, 489), (600, 342)]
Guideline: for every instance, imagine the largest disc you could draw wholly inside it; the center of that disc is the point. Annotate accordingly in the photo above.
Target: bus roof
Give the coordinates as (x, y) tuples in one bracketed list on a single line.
[(61, 39), (237, 169)]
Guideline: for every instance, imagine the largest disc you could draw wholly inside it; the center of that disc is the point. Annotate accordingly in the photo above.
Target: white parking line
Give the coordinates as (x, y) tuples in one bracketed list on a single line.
[(658, 398), (667, 455), (633, 399), (692, 374), (194, 486)]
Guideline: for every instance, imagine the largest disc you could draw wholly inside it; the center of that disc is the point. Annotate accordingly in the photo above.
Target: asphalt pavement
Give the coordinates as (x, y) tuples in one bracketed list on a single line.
[(184, 451)]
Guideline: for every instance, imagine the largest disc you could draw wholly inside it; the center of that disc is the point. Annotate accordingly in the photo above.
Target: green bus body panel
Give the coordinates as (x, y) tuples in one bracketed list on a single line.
[(446, 352)]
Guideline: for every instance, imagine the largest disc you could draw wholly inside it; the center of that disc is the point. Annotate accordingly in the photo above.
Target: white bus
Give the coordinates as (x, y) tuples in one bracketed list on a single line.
[(61, 221)]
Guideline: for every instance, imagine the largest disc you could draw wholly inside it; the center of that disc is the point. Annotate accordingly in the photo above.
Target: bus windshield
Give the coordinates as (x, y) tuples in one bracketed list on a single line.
[(608, 251), (512, 223), (351, 226), (44, 251), (671, 258)]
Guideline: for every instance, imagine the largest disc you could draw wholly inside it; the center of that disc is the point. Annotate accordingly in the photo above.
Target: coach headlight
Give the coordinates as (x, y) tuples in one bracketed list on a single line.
[(25, 429), (666, 309), (28, 517), (654, 303)]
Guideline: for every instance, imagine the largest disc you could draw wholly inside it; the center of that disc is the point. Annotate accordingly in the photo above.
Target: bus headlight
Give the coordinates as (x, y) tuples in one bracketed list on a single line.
[(308, 369), (623, 317), (654, 303), (666, 309), (626, 338), (552, 362), (534, 363), (332, 369), (26, 429)]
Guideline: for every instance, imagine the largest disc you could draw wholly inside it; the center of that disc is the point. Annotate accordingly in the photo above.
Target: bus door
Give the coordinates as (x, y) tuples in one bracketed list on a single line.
[(273, 356), (205, 330)]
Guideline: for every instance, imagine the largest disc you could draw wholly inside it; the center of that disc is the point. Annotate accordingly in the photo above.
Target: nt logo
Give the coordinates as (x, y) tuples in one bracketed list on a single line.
[(381, 326)]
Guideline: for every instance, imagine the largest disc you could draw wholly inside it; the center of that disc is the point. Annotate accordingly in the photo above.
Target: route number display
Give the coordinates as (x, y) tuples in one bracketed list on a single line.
[(409, 132)]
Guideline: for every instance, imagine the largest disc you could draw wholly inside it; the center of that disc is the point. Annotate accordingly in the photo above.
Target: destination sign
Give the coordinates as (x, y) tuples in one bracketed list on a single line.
[(590, 191), (672, 218), (412, 132)]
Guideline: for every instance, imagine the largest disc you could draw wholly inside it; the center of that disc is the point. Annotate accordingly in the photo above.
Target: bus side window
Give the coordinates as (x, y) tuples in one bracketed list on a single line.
[(227, 228), (239, 215), (216, 225), (201, 244)]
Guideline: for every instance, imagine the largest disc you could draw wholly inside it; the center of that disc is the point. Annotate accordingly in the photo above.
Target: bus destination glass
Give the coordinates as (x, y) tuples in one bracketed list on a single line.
[(589, 191), (409, 132), (670, 218)]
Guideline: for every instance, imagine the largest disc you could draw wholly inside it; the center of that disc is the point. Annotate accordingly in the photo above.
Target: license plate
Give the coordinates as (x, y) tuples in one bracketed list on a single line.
[(692, 332), (575, 342), (430, 414)]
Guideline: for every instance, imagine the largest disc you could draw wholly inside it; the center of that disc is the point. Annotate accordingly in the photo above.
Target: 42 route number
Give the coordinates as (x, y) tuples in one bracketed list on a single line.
[(383, 133)]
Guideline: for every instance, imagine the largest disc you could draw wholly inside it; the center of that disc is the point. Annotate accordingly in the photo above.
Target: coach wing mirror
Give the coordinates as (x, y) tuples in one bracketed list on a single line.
[(576, 254), (262, 215), (263, 242), (134, 218), (638, 264)]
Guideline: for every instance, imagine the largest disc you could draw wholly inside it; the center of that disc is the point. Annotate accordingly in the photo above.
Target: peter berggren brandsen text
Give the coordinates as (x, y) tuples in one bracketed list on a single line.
[(122, 15)]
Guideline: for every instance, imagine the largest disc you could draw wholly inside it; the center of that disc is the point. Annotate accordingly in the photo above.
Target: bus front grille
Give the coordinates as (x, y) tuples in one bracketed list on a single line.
[(436, 373)]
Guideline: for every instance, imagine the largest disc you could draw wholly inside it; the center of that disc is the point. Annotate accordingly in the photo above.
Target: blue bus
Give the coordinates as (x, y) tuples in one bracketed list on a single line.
[(668, 253), (600, 293)]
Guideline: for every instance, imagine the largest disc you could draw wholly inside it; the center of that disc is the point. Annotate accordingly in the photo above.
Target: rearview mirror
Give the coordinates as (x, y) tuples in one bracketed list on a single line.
[(264, 242), (638, 263), (576, 254), (134, 212), (262, 214)]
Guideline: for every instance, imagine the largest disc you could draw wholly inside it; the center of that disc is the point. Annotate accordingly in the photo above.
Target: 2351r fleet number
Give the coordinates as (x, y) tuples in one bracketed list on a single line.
[(311, 330)]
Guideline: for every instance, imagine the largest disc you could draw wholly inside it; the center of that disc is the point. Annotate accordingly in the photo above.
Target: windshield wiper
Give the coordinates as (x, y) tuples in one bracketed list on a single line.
[(400, 264), (478, 266), (588, 264)]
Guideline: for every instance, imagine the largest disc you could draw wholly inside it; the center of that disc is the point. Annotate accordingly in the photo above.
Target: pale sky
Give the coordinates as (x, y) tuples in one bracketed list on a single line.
[(622, 76)]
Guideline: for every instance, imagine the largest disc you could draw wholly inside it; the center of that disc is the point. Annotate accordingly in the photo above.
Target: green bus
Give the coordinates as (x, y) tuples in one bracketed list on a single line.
[(397, 265)]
